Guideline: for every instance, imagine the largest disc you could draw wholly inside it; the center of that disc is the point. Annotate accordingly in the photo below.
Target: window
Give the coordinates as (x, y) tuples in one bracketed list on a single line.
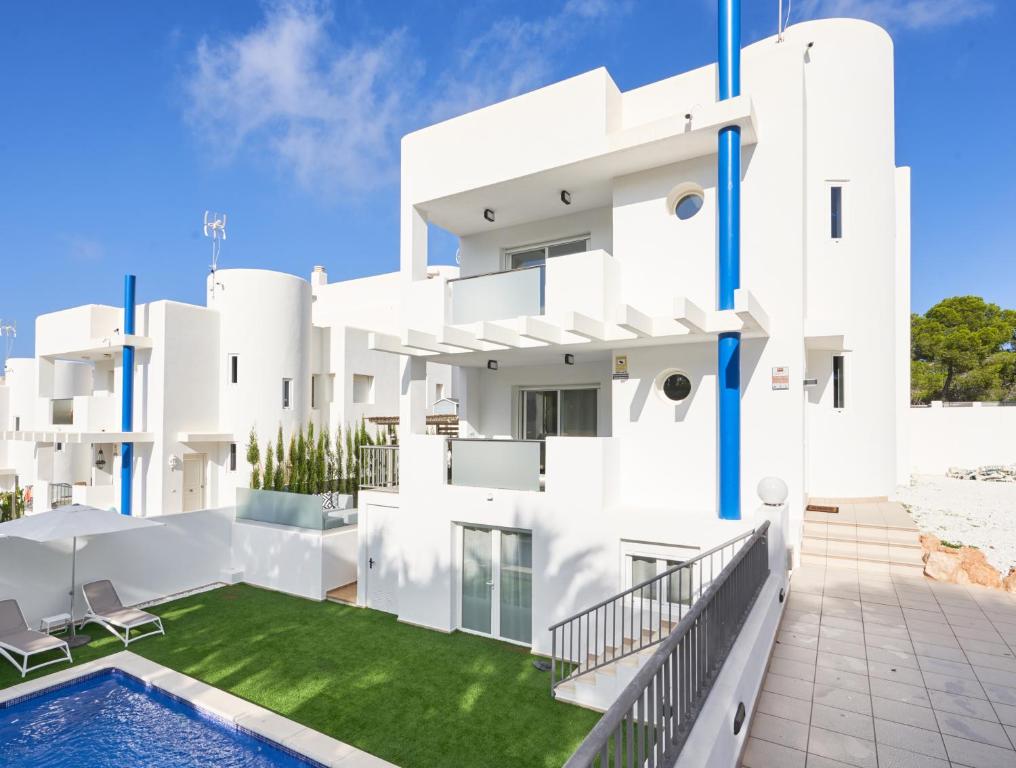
[(233, 364), (287, 393), (63, 411), (438, 391), (673, 386), (836, 212), (688, 205), (313, 391), (232, 457), (838, 381), (536, 255), (552, 412), (17, 423), (363, 388), (59, 447), (677, 586)]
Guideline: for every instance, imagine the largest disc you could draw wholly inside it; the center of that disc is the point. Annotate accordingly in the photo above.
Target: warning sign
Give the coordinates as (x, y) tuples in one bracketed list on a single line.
[(781, 377), (620, 367)]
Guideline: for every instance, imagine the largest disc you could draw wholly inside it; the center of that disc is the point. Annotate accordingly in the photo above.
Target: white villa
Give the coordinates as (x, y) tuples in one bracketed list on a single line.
[(268, 349), (585, 322)]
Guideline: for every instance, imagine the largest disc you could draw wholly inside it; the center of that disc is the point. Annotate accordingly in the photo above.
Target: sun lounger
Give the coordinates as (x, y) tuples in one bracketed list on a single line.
[(17, 639), (106, 610)]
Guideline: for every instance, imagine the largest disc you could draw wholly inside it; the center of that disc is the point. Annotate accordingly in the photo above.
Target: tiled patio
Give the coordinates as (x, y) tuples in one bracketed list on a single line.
[(889, 669)]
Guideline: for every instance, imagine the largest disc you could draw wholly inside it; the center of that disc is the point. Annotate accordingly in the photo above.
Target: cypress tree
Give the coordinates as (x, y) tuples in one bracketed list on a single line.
[(340, 466), (254, 459), (279, 479), (291, 475), (269, 469)]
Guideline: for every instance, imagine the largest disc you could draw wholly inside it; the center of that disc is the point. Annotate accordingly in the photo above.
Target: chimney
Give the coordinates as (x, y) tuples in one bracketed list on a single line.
[(319, 276)]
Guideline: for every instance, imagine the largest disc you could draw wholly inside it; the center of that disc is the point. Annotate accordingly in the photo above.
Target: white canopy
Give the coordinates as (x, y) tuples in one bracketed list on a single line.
[(70, 522)]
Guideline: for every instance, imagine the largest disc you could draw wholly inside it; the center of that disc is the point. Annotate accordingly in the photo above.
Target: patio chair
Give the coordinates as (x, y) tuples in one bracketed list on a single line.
[(106, 610), (16, 638)]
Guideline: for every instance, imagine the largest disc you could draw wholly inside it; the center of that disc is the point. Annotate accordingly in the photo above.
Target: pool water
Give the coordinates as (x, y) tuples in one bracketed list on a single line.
[(113, 719)]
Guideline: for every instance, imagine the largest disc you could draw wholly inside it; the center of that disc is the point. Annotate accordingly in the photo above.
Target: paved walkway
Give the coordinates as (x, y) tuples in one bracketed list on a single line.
[(888, 670)]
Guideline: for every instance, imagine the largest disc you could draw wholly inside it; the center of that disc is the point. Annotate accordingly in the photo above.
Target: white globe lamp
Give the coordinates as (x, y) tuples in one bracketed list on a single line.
[(772, 491)]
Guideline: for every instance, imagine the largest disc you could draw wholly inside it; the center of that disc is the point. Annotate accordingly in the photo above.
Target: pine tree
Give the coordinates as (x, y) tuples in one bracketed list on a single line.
[(269, 469), (291, 475), (254, 458), (279, 480)]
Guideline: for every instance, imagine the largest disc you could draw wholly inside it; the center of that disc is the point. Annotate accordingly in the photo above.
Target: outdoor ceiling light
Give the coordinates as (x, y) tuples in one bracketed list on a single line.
[(569, 359), (492, 365), (566, 197), (100, 459), (488, 214)]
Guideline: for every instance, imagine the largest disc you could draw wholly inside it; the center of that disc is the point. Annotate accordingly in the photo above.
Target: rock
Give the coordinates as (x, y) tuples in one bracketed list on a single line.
[(982, 574), (942, 566), (1009, 582)]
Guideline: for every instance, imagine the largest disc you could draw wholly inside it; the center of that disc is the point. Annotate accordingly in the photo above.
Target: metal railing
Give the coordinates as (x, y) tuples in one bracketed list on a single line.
[(59, 494), (379, 466), (635, 619), (649, 722)]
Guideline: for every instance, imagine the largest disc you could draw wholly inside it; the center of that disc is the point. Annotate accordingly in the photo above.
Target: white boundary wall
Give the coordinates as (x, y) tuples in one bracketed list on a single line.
[(189, 550), (970, 436)]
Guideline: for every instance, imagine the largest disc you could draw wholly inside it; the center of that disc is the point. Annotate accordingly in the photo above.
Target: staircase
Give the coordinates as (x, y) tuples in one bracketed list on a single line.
[(597, 652), (872, 535)]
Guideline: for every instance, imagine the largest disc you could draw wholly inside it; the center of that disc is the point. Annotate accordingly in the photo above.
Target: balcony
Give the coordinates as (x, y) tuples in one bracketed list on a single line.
[(514, 465), (579, 282)]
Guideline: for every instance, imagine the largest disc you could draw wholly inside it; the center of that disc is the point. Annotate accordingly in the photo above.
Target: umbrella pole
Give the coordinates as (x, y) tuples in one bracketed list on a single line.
[(75, 640)]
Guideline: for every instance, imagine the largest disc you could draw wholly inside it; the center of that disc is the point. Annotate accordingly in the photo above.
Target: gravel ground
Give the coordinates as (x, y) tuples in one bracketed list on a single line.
[(979, 514)]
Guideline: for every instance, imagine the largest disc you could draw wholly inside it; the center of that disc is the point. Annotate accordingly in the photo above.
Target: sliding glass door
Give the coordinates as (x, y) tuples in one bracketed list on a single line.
[(550, 412), (497, 583)]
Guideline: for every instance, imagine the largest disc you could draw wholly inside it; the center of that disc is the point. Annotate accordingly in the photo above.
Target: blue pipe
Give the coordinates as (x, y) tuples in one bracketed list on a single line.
[(728, 185), (127, 402)]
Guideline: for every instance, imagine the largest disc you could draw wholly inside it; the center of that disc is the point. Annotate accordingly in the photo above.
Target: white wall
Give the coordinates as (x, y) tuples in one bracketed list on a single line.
[(966, 437), (187, 551), (298, 561)]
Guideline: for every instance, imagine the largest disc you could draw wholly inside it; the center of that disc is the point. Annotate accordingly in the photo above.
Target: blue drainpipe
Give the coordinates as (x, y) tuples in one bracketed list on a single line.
[(127, 403), (728, 351)]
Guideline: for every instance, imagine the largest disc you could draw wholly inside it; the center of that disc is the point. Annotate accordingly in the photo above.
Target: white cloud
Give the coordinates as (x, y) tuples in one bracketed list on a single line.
[(900, 14), (331, 114)]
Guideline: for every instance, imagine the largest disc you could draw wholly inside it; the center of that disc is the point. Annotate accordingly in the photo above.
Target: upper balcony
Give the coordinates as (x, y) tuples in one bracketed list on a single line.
[(88, 332)]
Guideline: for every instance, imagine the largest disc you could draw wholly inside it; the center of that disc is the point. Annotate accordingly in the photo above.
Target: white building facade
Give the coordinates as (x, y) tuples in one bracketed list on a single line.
[(583, 327), (269, 349)]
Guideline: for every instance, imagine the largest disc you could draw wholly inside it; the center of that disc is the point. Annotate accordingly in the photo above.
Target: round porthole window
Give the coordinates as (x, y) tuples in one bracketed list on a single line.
[(673, 386), (688, 205)]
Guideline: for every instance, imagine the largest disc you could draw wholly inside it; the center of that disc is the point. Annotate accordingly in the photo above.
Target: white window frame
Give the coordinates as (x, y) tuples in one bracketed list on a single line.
[(231, 461), (232, 365), (370, 388), (507, 253), (287, 394), (843, 184)]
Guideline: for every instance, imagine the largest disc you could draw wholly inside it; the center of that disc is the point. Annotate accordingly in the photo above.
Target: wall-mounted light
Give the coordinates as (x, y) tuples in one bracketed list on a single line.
[(492, 365), (488, 214), (174, 463), (100, 459), (566, 197), (569, 359), (687, 115)]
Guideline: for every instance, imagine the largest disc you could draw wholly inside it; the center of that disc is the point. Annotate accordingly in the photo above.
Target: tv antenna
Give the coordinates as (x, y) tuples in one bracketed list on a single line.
[(9, 332), (215, 228)]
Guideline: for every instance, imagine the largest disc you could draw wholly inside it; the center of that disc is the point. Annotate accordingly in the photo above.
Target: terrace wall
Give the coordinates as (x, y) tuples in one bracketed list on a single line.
[(966, 436)]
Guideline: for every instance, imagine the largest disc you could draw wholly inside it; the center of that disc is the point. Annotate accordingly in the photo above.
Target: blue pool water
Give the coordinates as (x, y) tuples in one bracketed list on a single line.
[(113, 719)]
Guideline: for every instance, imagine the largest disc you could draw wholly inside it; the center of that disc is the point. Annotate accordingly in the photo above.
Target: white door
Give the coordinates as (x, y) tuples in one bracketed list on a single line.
[(381, 573), (193, 482), (496, 595)]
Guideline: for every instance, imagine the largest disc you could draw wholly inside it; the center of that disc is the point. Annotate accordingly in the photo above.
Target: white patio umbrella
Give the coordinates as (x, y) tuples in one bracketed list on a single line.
[(71, 522)]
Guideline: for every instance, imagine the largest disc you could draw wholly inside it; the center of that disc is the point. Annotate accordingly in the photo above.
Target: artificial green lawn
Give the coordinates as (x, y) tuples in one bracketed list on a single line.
[(415, 697)]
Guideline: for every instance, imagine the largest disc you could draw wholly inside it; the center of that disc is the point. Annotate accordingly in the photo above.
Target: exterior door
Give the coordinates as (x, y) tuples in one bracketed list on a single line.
[(381, 575), (497, 583), (193, 482)]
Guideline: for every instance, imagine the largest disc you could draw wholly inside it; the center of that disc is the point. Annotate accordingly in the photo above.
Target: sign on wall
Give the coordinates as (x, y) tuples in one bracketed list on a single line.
[(620, 367), (781, 377)]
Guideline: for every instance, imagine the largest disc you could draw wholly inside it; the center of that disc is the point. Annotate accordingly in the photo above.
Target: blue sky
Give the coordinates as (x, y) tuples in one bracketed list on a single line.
[(122, 122)]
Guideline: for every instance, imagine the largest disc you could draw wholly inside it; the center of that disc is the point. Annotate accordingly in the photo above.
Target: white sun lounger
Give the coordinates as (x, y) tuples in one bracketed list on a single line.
[(106, 610), (16, 638)]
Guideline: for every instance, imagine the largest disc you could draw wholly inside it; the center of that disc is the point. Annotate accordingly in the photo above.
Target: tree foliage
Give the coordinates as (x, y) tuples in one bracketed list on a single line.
[(254, 458), (962, 349)]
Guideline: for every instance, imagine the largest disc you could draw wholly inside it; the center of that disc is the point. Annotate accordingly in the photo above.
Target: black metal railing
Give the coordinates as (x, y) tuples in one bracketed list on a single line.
[(649, 722), (59, 494), (635, 619)]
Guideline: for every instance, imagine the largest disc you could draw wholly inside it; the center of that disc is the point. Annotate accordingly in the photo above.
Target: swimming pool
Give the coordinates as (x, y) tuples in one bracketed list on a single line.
[(110, 718)]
